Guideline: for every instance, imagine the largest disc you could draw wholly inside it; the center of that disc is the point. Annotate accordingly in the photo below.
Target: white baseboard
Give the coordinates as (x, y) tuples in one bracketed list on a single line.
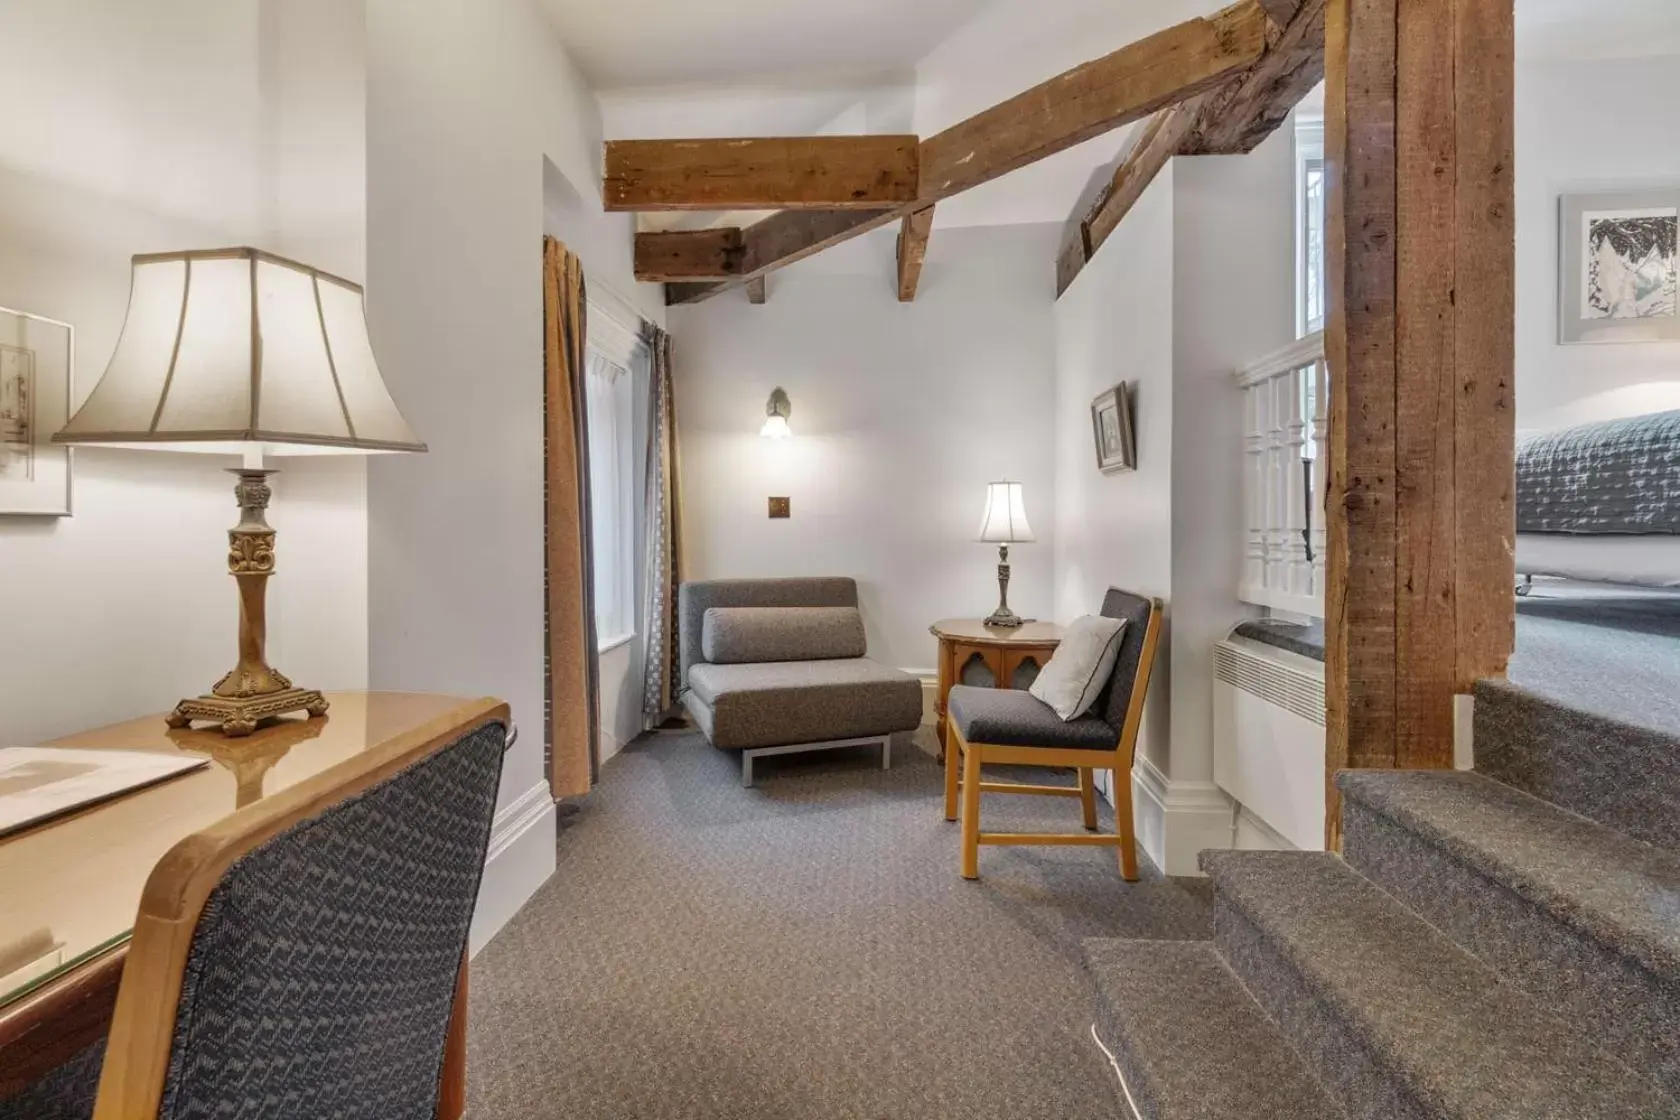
[(521, 858), (1255, 835), (1176, 820)]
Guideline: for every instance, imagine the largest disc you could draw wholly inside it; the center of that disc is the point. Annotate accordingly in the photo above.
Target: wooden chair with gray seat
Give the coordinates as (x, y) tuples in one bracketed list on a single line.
[(303, 956), (990, 727)]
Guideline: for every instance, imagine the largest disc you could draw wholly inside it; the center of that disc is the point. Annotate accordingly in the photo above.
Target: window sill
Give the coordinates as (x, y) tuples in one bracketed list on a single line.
[(611, 644)]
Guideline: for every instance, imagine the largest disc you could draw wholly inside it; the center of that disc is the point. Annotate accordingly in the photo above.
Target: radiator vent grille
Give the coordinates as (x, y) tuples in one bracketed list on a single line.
[(1290, 688)]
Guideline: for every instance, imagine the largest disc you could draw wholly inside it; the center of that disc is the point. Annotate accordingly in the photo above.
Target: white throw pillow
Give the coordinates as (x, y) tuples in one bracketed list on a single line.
[(1079, 668)]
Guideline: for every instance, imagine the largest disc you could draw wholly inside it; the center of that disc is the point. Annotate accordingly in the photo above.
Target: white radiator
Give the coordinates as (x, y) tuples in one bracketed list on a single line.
[(1268, 737)]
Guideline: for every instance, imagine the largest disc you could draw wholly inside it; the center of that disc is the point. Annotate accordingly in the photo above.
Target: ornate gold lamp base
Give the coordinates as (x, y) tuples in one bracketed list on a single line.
[(1003, 617), (240, 717), (252, 691)]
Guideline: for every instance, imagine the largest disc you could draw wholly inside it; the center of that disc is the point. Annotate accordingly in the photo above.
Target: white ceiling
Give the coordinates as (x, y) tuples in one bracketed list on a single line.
[(630, 43)]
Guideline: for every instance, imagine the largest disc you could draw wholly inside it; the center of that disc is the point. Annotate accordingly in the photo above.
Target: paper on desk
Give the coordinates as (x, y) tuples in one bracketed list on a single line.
[(37, 783)]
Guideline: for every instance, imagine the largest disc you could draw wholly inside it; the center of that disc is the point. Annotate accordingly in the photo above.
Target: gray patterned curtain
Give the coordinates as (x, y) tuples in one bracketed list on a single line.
[(663, 510)]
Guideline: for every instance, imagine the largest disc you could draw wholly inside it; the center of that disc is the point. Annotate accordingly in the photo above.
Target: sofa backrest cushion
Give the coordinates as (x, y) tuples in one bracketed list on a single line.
[(748, 635), (695, 598)]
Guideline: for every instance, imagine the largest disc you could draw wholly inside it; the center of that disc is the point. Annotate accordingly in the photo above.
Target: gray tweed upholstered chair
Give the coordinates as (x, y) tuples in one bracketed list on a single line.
[(1003, 727), (301, 958)]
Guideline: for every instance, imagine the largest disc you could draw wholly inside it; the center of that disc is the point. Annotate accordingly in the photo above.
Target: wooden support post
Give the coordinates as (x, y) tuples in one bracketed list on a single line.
[(1421, 270), (912, 251)]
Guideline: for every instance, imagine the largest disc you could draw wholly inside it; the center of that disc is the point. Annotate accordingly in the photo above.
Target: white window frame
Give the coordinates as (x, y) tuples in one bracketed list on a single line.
[(1309, 160), (613, 501)]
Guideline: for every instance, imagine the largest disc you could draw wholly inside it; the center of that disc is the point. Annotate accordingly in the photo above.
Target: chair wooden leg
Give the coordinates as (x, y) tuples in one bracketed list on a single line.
[(1122, 794), (1088, 796), (971, 814), (952, 762)]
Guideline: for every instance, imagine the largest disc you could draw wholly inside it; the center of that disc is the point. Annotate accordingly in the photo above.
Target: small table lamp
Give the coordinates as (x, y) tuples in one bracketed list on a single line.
[(240, 352), (1004, 523)]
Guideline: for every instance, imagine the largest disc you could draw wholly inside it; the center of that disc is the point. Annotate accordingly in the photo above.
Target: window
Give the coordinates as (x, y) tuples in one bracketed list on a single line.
[(1311, 285), (608, 393)]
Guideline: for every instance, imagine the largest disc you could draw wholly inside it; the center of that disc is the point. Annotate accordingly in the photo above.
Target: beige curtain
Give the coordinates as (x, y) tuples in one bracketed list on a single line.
[(662, 511), (572, 720)]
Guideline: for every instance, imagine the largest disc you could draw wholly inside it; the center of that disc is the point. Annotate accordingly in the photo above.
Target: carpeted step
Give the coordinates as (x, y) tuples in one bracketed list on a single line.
[(1190, 1042), (1393, 1018), (1623, 776), (1582, 918)]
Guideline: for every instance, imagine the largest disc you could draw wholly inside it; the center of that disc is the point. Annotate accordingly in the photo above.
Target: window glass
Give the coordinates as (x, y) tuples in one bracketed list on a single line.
[(607, 393)]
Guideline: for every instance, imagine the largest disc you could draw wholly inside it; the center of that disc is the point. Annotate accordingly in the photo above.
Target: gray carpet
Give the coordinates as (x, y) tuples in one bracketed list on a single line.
[(804, 950), (1612, 652)]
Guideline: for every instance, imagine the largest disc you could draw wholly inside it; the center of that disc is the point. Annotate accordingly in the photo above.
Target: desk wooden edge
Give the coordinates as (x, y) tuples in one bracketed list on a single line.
[(143, 1023)]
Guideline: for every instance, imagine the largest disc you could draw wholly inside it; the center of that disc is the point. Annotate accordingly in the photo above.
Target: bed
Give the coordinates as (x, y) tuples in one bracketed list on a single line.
[(1601, 502)]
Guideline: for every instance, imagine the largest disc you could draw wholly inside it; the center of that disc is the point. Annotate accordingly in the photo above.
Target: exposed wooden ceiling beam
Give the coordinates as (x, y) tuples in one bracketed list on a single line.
[(758, 290), (1243, 113), (1112, 91), (1229, 120), (912, 251), (1156, 142), (767, 173), (1281, 11), (680, 254), (1097, 97)]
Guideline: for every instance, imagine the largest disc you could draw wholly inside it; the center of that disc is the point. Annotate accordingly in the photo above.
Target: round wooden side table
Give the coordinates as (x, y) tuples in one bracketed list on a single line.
[(972, 653)]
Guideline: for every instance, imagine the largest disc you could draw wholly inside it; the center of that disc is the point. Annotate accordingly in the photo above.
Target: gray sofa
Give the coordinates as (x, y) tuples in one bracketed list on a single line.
[(775, 666)]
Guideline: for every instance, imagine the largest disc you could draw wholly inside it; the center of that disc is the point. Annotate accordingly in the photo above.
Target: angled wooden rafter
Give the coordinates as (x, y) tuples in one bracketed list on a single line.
[(1229, 120), (761, 173), (912, 251), (1127, 85)]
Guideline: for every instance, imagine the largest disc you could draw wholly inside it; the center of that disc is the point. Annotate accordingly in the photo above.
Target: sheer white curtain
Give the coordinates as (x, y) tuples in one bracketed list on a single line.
[(607, 397)]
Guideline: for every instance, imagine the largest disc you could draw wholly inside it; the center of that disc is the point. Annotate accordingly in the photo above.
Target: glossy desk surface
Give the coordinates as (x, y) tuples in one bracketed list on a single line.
[(75, 881)]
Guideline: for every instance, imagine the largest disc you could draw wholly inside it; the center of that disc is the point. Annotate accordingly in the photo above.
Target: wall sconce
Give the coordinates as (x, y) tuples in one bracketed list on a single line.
[(777, 410)]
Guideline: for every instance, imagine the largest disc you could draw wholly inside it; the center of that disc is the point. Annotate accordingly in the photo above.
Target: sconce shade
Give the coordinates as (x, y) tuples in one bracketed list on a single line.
[(226, 348), (1005, 519), (776, 411)]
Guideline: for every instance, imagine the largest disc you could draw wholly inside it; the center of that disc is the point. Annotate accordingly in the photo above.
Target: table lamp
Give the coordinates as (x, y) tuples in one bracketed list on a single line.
[(1004, 523), (241, 352)]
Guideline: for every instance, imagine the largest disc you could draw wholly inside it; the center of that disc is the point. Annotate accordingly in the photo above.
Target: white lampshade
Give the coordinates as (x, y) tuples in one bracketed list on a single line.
[(1005, 519), (226, 349)]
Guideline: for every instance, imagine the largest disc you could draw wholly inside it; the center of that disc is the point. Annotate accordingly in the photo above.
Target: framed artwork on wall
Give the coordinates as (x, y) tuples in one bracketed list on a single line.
[(36, 359), (1617, 269), (1114, 431)]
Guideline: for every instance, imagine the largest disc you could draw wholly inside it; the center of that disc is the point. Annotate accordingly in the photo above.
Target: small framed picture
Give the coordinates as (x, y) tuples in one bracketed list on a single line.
[(36, 359), (1617, 270), (1111, 424)]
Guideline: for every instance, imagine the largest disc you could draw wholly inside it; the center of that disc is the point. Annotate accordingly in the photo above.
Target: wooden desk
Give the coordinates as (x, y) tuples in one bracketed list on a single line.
[(78, 878), (970, 652)]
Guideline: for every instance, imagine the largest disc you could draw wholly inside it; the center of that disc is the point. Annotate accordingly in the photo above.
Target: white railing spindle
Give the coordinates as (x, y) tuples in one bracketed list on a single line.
[(1284, 483)]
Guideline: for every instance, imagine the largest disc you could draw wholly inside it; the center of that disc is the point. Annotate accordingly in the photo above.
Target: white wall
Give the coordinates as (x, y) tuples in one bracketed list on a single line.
[(901, 413), (1196, 282), (1116, 530), (1600, 124), (126, 607), (470, 106)]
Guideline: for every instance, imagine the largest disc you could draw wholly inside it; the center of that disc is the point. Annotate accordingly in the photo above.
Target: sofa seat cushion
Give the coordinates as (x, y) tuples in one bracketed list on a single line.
[(770, 705), (1008, 718)]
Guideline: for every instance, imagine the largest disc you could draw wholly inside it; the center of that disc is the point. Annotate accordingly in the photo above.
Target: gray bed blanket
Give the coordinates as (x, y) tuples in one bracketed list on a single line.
[(1615, 477)]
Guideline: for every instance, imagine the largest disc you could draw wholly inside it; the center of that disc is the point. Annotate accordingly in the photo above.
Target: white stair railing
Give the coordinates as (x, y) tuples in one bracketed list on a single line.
[(1286, 401)]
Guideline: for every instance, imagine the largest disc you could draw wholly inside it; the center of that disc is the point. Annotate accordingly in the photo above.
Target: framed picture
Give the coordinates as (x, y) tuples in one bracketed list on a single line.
[(1617, 272), (36, 358), (1116, 436)]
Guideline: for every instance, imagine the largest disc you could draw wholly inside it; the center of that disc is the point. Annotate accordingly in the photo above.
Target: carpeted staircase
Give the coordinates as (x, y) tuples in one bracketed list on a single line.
[(1501, 944)]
